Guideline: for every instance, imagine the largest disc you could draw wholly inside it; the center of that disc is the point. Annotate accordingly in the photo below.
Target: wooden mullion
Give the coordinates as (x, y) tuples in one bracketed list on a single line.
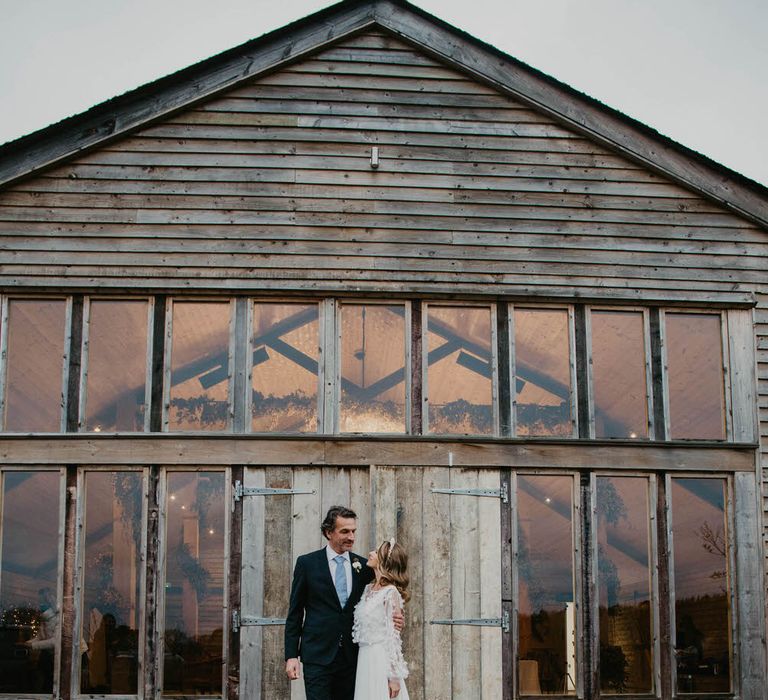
[(591, 631), (73, 354), (583, 413), (657, 377), (68, 585), (157, 361), (235, 563), (152, 592), (506, 373), (417, 389), (239, 371), (663, 533)]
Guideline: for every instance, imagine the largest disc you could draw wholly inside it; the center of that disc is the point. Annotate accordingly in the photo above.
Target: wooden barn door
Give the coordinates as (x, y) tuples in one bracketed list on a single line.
[(449, 521)]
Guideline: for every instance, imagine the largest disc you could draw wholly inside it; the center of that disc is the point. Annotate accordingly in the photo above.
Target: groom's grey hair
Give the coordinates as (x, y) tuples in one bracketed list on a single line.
[(333, 513)]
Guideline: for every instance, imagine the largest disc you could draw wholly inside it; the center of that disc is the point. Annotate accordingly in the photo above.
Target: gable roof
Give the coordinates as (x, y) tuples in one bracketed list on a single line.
[(154, 101)]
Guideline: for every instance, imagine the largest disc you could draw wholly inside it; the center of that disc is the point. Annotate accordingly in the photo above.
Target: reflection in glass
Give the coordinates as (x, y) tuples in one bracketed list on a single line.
[(111, 588), (701, 580), (546, 600), (624, 585), (29, 610), (695, 367), (285, 368), (33, 394), (460, 370), (372, 368), (115, 391), (619, 375), (543, 372), (194, 583), (199, 393)]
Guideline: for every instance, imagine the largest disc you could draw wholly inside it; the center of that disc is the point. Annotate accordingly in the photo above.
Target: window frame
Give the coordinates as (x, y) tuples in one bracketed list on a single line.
[(590, 380)]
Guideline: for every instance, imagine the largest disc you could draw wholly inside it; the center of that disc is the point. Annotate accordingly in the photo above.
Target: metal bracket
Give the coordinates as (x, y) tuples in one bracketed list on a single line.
[(241, 491), (249, 621), (502, 622), (492, 493)]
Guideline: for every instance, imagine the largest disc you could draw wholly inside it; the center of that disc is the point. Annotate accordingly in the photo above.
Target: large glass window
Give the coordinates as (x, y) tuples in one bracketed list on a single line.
[(29, 605), (115, 395), (34, 365), (624, 585), (460, 370), (111, 586), (284, 368), (542, 372), (695, 376), (619, 374), (195, 580), (546, 597), (373, 368), (701, 585), (200, 371)]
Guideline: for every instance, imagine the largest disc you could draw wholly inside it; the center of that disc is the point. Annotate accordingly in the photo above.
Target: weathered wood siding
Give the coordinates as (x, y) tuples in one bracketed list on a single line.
[(270, 187)]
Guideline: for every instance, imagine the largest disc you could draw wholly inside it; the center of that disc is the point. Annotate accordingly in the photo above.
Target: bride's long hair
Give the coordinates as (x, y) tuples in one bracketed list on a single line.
[(393, 567)]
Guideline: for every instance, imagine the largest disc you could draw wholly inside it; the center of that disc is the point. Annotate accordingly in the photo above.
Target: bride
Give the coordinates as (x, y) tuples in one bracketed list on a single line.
[(381, 669)]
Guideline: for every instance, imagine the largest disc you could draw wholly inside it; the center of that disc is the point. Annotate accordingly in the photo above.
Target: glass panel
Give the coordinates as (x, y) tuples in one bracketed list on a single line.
[(199, 394), (29, 610), (372, 368), (695, 366), (546, 599), (543, 369), (702, 611), (624, 585), (286, 351), (459, 374), (618, 374), (33, 395), (117, 366), (111, 588), (194, 583)]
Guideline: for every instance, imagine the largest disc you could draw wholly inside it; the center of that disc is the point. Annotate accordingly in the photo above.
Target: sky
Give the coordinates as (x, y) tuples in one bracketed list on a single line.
[(695, 70)]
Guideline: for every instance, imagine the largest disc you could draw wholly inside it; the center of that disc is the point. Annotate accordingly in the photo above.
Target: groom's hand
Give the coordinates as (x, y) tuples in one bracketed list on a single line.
[(399, 620), (292, 669)]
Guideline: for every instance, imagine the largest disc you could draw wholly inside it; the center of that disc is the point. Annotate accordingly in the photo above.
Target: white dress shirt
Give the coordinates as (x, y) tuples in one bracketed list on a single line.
[(332, 566)]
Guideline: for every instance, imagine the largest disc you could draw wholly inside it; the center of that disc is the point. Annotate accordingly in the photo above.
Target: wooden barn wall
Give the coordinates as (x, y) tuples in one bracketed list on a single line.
[(270, 187)]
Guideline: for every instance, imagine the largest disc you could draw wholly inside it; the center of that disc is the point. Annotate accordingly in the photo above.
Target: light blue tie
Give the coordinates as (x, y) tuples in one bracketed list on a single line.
[(341, 580)]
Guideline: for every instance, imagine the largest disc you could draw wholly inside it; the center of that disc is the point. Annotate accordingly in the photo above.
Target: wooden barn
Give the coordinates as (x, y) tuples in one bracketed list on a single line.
[(370, 260)]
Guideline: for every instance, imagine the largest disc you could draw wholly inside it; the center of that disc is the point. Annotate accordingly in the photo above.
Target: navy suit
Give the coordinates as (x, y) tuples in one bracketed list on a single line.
[(319, 631)]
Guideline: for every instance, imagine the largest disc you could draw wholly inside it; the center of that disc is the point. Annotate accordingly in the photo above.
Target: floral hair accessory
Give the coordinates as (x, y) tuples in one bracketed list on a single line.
[(391, 542), (356, 565)]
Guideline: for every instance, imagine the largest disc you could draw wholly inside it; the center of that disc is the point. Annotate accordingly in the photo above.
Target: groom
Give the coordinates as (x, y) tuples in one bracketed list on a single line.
[(327, 584)]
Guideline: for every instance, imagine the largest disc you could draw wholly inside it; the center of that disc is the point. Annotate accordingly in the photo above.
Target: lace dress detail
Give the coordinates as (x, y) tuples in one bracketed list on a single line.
[(373, 625)]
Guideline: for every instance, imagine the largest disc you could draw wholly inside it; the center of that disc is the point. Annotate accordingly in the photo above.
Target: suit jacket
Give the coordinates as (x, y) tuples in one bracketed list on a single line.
[(316, 622)]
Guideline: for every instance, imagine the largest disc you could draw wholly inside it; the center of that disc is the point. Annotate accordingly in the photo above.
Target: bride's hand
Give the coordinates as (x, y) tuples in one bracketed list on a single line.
[(394, 689)]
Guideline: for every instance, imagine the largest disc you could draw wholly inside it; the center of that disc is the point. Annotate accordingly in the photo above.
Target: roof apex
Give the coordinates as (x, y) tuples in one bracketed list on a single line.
[(151, 102)]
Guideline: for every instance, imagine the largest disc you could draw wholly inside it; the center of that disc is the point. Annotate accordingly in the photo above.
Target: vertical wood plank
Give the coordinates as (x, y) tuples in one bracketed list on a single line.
[(436, 560), (252, 586), (157, 374), (509, 569), (239, 367), (384, 503), (153, 593), (506, 371), (278, 569), (335, 488), (409, 535), (63, 661), (305, 533), (584, 417), (360, 502), (416, 368), (657, 377), (73, 364), (741, 352), (465, 584), (489, 538), (750, 594)]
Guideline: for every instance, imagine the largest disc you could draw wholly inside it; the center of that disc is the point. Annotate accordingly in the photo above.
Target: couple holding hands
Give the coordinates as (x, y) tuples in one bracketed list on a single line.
[(345, 617)]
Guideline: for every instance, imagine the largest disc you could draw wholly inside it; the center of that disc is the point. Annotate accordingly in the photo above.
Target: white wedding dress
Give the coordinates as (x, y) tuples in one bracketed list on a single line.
[(381, 650)]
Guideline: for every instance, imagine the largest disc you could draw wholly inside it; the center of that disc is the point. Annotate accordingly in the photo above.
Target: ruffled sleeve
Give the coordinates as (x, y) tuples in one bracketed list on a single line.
[(397, 668)]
